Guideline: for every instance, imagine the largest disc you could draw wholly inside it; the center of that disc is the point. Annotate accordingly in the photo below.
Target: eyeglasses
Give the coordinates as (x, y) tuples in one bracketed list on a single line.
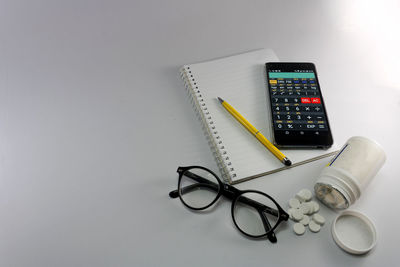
[(254, 213)]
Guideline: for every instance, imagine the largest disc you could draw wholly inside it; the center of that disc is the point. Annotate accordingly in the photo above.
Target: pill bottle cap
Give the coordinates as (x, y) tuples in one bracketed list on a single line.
[(354, 232), (337, 188)]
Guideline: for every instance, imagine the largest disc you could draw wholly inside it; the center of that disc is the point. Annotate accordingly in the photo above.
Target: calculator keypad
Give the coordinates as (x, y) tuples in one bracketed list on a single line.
[(296, 106)]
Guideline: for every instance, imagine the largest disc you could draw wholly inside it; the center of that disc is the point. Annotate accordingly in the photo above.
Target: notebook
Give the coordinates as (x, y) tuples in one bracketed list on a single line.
[(241, 81)]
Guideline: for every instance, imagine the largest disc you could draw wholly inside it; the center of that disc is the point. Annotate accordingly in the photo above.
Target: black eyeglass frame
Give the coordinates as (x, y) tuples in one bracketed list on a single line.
[(233, 194)]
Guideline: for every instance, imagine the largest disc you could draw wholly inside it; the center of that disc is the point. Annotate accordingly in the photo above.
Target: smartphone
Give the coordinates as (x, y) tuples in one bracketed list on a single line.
[(299, 118)]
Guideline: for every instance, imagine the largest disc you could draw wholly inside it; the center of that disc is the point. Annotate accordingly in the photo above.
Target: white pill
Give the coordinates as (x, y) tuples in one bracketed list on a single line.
[(294, 203), (305, 220), (299, 229), (290, 211), (314, 227), (300, 197), (306, 194), (304, 208), (297, 215), (318, 219), (311, 207), (315, 206)]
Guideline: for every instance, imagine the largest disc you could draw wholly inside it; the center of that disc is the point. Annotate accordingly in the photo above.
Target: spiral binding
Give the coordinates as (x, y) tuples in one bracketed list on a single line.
[(219, 151)]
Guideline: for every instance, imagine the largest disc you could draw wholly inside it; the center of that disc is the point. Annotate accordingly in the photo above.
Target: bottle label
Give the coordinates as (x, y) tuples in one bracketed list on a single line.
[(338, 154)]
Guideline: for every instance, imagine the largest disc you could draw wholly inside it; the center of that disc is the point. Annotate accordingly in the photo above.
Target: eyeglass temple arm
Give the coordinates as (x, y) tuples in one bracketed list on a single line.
[(232, 192), (271, 236), (202, 183), (227, 190), (189, 188)]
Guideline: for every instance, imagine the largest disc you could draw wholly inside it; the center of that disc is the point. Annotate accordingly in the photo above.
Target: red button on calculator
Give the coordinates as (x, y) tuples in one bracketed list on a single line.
[(305, 100), (315, 100)]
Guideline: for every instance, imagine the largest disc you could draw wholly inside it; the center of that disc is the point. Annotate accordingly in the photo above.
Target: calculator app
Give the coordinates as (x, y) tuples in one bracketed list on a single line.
[(296, 103)]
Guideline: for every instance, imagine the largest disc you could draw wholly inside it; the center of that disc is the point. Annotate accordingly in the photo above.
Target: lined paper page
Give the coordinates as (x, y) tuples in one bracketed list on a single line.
[(241, 81)]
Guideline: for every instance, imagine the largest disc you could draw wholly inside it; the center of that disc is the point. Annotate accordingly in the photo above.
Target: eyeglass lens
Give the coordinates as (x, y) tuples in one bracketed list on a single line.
[(255, 214), (198, 188)]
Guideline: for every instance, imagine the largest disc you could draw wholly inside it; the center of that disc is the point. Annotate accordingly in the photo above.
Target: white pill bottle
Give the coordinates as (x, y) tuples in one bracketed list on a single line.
[(348, 174)]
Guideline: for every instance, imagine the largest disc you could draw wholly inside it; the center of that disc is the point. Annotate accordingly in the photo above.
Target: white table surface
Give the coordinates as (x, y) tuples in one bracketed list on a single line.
[(94, 121)]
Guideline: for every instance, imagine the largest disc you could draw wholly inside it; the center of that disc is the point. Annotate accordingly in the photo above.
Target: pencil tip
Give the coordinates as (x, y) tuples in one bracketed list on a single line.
[(287, 162), (220, 100)]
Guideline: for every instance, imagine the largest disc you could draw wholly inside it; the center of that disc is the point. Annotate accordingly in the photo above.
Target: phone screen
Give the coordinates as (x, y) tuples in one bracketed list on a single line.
[(297, 108)]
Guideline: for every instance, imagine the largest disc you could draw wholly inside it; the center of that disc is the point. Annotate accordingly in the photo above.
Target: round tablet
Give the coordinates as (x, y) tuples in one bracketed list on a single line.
[(294, 203), (305, 220), (307, 208), (318, 219), (297, 215), (307, 195), (300, 197), (304, 208), (299, 229), (315, 206), (290, 211), (314, 227)]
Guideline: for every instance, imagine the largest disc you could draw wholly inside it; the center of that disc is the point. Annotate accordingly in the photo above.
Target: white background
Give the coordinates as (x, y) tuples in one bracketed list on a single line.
[(94, 121)]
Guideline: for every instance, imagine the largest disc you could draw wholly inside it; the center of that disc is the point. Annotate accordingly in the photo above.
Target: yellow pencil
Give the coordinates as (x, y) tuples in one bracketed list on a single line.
[(256, 133)]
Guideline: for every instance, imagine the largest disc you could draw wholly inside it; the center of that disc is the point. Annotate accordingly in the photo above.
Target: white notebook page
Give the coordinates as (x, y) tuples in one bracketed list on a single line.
[(241, 81)]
